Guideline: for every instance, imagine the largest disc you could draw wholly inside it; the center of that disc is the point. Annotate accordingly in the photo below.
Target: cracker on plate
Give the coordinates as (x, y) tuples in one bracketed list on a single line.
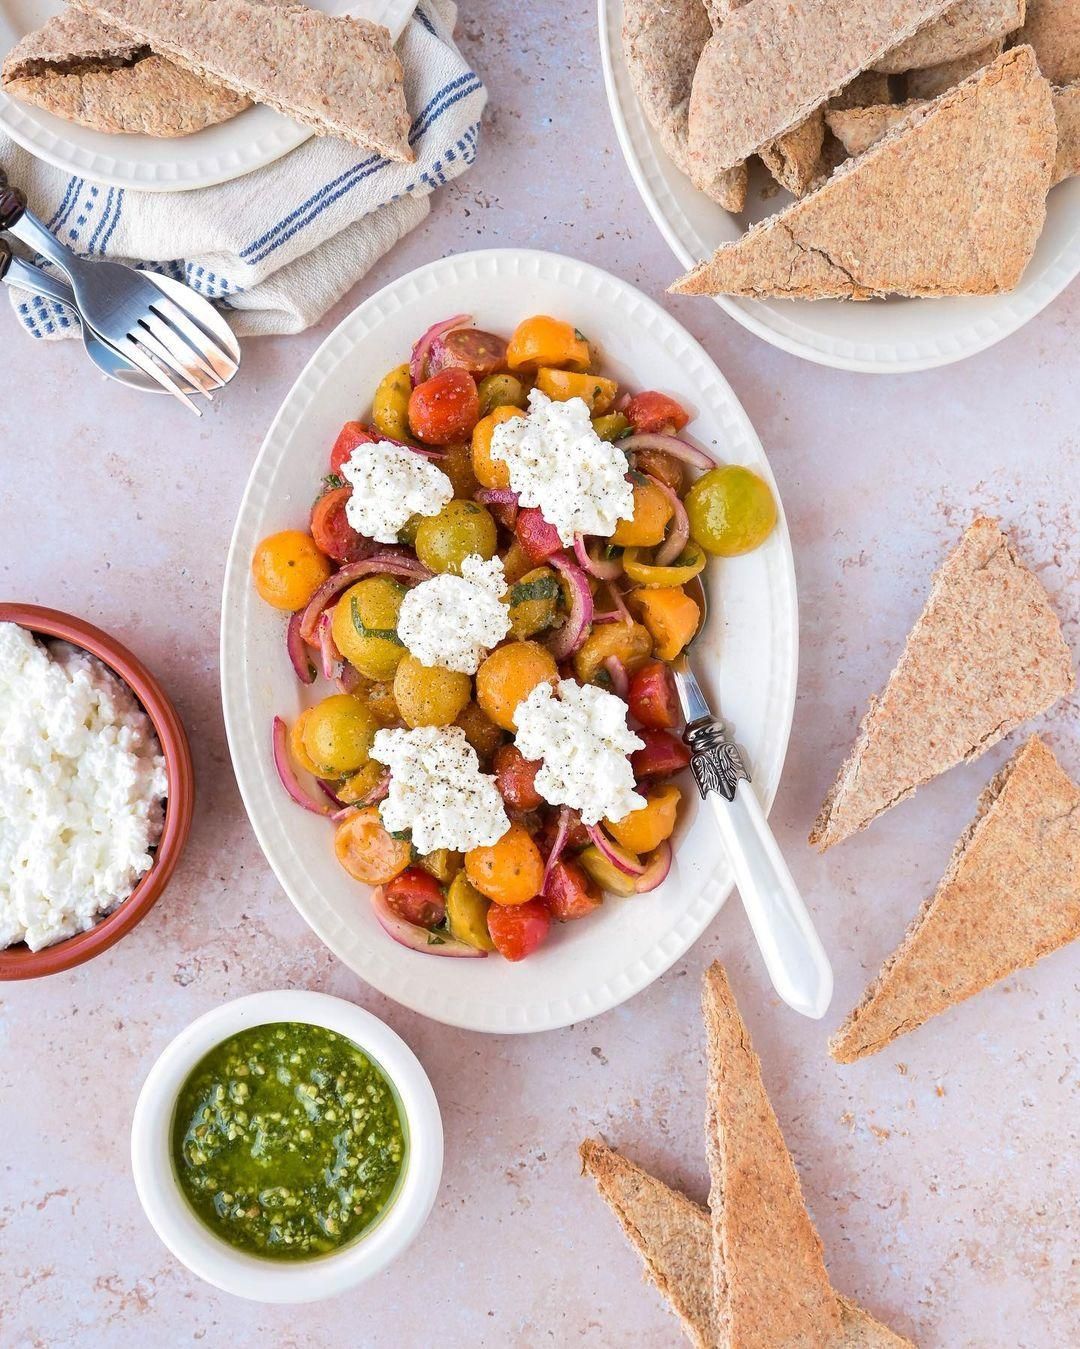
[(962, 29), (931, 81), (1052, 27), (950, 202)]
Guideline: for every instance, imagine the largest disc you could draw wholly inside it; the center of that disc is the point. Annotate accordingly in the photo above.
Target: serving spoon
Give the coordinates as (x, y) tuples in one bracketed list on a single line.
[(784, 931)]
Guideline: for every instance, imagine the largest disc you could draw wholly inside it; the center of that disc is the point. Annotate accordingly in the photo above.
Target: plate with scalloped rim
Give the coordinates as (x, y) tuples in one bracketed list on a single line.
[(874, 336), (748, 653), (253, 138)]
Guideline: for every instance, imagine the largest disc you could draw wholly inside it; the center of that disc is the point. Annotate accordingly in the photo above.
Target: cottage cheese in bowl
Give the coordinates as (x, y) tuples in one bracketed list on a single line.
[(82, 790)]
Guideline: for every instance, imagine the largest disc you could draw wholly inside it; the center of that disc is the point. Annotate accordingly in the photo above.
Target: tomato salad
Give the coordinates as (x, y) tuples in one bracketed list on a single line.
[(607, 611)]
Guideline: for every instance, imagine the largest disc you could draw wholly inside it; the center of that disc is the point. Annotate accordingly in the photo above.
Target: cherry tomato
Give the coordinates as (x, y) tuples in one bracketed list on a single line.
[(445, 407), (417, 897), (665, 467), (570, 893), (330, 526), (518, 931), (470, 349), (350, 435), (515, 777), (538, 539), (652, 697), (661, 756), (651, 411)]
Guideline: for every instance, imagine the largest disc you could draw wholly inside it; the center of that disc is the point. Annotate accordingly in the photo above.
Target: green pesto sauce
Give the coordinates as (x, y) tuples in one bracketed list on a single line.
[(287, 1140)]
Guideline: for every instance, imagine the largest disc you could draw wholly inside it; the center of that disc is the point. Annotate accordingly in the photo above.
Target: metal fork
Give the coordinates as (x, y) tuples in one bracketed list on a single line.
[(176, 344), (785, 934)]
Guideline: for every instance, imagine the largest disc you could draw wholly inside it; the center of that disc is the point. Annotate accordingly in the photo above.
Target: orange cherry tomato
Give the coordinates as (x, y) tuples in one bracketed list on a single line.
[(445, 407), (288, 568), (330, 526), (509, 871)]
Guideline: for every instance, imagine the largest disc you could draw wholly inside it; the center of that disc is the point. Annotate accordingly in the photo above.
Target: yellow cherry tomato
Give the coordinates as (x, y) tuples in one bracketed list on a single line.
[(364, 626), (510, 871), (288, 569), (367, 851), (338, 733), (644, 573), (670, 615), (297, 748), (430, 696), (562, 385), (646, 828), (390, 406), (509, 675), (649, 521), (542, 340), (491, 472)]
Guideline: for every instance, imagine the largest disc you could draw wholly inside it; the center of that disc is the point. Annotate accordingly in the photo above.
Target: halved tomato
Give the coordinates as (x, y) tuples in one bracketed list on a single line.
[(350, 435), (661, 757), (570, 893), (518, 931), (330, 526), (652, 697), (652, 411)]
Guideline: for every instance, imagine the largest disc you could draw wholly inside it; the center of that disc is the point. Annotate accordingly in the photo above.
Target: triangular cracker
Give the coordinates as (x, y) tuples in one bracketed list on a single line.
[(1010, 896), (772, 63), (985, 655), (1067, 115), (964, 28), (1052, 27), (662, 44), (337, 75), (767, 1258), (674, 1239), (951, 202)]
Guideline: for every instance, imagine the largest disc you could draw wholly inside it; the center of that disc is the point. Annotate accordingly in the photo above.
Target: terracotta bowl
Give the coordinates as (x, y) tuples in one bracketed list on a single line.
[(19, 962)]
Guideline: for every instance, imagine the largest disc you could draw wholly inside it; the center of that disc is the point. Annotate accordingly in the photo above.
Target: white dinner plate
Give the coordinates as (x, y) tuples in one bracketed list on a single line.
[(877, 336), (248, 141), (748, 655)]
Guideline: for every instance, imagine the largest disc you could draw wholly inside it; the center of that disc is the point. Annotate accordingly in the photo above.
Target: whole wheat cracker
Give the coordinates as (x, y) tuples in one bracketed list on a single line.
[(931, 81), (662, 44), (1067, 116), (871, 87), (859, 128), (773, 62), (964, 28), (793, 159), (1052, 27), (338, 75), (982, 157), (674, 1239), (1010, 896), (985, 655), (768, 1265)]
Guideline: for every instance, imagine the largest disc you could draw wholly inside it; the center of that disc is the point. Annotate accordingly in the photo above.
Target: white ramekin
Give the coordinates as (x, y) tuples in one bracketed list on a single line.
[(260, 1278)]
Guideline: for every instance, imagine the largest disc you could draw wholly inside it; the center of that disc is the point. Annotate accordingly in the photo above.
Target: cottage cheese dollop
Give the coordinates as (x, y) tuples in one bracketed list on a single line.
[(437, 791), (82, 782), (390, 485), (454, 621), (559, 464), (580, 733)]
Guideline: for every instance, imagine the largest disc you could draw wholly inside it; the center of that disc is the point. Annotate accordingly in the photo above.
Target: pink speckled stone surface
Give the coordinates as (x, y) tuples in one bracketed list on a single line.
[(942, 1174)]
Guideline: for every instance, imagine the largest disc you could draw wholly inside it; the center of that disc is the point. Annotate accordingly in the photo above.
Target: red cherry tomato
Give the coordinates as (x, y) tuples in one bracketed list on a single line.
[(518, 930), (417, 897), (569, 892), (515, 777), (330, 527), (657, 464), (538, 539), (661, 757), (653, 699), (651, 411), (468, 349), (350, 435), (577, 835), (445, 407)]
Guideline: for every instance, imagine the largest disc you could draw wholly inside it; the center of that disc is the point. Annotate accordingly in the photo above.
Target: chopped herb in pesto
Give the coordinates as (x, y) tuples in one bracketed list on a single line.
[(287, 1140)]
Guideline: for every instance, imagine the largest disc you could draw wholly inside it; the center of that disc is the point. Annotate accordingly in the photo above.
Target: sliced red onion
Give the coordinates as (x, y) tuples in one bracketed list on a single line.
[(415, 937), (572, 633), (331, 795), (386, 562), (497, 496), (678, 449), (620, 680), (656, 870), (679, 537), (618, 857), (602, 570), (621, 403), (427, 451), (349, 680), (418, 359), (331, 656), (298, 652), (611, 616), (372, 797), (562, 833), (288, 777), (621, 611)]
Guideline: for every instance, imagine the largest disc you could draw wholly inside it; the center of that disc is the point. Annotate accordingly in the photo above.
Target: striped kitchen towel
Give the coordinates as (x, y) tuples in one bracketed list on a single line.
[(281, 245)]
